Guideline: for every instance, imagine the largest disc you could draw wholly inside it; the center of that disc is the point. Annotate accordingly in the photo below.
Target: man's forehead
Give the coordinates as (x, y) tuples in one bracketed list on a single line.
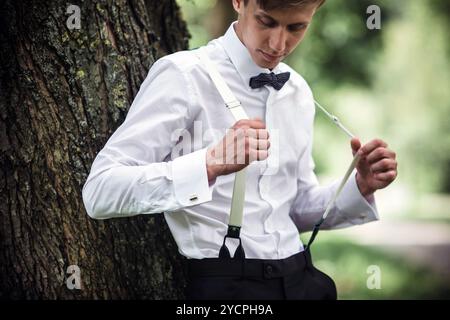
[(282, 5), (293, 15)]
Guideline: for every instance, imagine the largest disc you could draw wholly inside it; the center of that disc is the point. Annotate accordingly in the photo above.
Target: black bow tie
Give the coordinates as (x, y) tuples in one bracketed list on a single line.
[(275, 80)]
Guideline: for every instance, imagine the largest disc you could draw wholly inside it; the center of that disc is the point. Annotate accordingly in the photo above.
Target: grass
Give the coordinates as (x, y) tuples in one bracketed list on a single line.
[(348, 264)]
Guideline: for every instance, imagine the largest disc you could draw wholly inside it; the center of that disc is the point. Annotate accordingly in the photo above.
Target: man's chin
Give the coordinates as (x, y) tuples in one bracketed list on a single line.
[(265, 60), (267, 65)]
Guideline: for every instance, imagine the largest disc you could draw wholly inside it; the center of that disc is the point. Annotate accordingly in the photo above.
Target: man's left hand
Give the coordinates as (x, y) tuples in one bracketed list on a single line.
[(377, 167)]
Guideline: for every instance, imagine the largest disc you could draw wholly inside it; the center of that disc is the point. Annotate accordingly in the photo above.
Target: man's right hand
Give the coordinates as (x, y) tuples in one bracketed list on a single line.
[(245, 142)]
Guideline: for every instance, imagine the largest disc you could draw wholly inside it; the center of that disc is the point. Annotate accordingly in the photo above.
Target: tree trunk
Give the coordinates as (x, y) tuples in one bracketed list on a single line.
[(62, 94), (220, 17)]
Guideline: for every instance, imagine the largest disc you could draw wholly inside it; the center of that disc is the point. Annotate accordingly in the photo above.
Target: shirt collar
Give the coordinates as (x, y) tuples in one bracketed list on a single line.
[(240, 56)]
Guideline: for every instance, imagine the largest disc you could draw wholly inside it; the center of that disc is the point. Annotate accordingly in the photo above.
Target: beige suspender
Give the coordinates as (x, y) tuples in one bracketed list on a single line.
[(238, 198)]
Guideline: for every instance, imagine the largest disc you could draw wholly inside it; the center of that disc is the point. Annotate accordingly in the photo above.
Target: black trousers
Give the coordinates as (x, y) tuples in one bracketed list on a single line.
[(293, 278)]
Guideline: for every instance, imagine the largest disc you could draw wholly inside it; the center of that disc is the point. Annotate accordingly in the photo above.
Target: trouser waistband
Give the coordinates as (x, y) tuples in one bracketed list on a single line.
[(260, 268)]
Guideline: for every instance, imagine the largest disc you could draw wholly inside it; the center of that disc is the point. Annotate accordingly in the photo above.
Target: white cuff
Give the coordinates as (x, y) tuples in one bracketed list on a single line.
[(190, 179), (353, 206)]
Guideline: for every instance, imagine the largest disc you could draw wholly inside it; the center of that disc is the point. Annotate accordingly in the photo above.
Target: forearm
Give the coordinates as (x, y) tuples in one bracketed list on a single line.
[(126, 190), (129, 190)]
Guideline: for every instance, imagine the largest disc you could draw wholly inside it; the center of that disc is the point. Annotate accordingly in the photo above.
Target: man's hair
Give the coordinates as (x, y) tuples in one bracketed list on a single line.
[(284, 4)]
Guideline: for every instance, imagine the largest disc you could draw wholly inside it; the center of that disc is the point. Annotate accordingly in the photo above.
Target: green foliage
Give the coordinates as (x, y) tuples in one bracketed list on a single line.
[(195, 12), (390, 83), (412, 87), (338, 45), (347, 263)]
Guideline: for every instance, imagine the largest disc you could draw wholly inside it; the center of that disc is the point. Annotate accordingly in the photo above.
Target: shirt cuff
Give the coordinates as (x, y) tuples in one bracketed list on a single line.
[(354, 206), (190, 179)]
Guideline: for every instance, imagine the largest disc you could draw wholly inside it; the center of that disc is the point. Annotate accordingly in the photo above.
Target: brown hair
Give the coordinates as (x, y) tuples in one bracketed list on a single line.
[(283, 4)]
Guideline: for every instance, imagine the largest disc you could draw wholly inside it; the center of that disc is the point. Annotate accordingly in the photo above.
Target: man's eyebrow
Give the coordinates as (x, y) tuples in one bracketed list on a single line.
[(266, 16)]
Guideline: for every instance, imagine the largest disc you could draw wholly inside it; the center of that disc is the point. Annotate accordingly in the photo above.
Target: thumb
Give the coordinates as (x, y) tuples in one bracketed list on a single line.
[(355, 144)]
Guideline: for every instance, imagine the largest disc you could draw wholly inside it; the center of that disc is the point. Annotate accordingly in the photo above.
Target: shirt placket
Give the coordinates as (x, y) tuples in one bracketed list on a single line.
[(265, 179)]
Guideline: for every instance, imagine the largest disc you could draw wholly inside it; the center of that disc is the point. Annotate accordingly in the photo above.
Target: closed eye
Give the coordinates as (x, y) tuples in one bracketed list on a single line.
[(266, 22), (297, 27)]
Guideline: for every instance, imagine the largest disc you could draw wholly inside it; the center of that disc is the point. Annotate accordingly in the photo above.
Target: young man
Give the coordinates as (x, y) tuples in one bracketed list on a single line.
[(137, 171)]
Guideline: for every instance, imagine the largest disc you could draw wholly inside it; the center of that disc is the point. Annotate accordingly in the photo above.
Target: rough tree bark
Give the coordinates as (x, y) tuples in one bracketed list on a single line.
[(62, 94)]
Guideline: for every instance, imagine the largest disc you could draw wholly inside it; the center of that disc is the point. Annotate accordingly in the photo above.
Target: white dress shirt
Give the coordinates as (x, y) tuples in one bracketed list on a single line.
[(138, 172)]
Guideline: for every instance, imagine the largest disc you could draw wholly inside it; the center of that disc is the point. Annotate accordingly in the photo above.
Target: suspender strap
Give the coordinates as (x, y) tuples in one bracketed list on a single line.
[(332, 201), (237, 201), (228, 97)]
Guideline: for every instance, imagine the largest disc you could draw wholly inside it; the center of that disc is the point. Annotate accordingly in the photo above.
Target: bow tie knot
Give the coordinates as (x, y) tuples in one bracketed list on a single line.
[(275, 80)]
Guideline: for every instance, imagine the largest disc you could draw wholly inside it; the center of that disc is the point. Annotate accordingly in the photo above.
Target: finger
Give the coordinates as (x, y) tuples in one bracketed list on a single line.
[(238, 134), (251, 133), (256, 124), (248, 123), (258, 155), (355, 143), (372, 145), (258, 144), (256, 133), (380, 153), (384, 165), (262, 134), (386, 176)]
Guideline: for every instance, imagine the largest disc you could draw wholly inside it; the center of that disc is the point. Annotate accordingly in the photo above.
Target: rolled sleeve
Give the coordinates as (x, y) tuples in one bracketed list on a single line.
[(354, 206), (190, 179)]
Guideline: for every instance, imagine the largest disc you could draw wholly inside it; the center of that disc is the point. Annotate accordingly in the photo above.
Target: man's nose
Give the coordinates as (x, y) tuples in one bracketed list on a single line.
[(277, 41)]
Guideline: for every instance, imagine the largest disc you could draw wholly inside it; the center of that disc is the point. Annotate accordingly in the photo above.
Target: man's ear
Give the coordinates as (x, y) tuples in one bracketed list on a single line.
[(238, 6)]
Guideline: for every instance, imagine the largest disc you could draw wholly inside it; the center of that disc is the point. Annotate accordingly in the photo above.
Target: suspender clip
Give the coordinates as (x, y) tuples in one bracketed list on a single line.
[(233, 232), (233, 104)]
